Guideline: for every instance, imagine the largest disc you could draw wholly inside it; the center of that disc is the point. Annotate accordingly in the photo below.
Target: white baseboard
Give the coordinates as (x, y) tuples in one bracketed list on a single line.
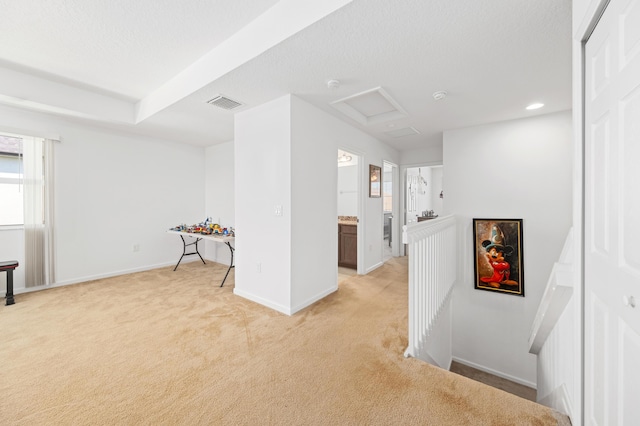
[(495, 372), (314, 299), (280, 308), (374, 267), (217, 260), (22, 290), (262, 301)]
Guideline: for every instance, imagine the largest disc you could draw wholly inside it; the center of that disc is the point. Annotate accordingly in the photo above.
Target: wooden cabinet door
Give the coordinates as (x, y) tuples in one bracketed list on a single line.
[(348, 246)]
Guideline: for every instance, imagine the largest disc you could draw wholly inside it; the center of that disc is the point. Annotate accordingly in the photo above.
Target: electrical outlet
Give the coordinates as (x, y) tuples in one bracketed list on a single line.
[(136, 248), (258, 267), (277, 210)]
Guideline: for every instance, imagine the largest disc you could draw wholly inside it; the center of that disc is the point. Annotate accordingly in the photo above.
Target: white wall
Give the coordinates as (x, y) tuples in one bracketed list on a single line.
[(220, 195), (348, 190), (514, 169), (314, 171), (316, 136), (114, 190), (429, 155), (322, 131), (262, 181), (289, 147)]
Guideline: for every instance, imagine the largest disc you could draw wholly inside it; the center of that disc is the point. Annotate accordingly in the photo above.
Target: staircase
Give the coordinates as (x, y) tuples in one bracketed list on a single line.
[(553, 338)]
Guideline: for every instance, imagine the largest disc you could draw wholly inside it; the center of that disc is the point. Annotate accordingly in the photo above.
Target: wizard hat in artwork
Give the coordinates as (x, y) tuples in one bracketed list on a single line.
[(498, 241)]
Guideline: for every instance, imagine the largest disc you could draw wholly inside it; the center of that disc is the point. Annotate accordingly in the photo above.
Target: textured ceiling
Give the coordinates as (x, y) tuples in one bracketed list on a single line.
[(122, 46), (166, 59)]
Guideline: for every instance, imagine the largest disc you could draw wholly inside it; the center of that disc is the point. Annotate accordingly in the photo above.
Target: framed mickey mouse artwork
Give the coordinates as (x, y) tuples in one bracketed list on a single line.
[(497, 245)]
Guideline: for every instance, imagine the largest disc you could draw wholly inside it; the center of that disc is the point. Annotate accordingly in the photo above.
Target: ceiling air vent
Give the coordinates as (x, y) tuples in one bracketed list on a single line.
[(224, 103)]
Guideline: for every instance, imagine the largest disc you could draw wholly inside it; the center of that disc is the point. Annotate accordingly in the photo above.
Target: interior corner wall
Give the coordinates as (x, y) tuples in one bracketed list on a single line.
[(219, 195), (316, 137), (286, 155), (262, 180), (115, 190), (514, 169), (314, 180)]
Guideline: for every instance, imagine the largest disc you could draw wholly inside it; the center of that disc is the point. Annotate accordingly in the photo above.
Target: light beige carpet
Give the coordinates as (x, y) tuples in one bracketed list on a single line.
[(164, 347)]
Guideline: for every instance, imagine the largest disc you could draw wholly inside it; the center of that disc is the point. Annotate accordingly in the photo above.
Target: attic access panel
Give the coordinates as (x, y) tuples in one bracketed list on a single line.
[(370, 107)]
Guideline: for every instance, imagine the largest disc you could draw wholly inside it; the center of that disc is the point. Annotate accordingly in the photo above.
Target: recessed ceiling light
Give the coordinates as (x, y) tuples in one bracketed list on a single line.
[(535, 106)]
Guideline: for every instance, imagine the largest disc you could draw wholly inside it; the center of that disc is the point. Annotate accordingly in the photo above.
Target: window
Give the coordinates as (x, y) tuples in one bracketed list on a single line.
[(11, 179), (26, 198)]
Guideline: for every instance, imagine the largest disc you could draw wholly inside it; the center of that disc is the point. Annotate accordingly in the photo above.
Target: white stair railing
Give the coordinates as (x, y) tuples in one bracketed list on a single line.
[(554, 336), (432, 274)]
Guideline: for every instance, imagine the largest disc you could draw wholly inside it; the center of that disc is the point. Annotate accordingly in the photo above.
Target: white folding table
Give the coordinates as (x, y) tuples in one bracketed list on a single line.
[(218, 238)]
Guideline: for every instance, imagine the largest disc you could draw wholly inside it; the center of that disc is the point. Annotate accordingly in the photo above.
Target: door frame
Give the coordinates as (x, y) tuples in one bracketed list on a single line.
[(396, 230), (360, 185), (581, 35)]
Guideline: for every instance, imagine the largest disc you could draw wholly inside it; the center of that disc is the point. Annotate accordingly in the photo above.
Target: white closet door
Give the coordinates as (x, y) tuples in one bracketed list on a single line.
[(612, 217)]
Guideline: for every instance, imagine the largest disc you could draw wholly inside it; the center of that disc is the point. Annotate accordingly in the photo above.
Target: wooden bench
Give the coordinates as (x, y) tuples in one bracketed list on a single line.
[(9, 266)]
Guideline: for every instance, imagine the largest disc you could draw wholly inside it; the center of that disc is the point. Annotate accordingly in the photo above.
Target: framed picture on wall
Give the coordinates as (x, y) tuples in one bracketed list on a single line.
[(497, 245), (375, 181)]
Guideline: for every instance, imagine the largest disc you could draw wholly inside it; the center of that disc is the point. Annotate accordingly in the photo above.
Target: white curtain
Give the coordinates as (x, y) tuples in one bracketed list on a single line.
[(38, 211)]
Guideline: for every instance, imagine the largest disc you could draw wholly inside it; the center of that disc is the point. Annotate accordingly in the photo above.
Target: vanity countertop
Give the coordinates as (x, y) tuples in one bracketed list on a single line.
[(347, 220)]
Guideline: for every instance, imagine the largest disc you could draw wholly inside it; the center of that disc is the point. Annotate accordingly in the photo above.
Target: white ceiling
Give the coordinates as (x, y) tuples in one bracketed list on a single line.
[(149, 66)]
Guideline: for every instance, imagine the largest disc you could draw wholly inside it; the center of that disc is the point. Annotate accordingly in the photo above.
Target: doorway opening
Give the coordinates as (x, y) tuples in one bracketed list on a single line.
[(348, 210), (424, 195), (389, 236)]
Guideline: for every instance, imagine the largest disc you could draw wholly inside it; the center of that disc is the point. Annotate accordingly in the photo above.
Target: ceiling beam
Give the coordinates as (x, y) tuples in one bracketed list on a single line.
[(278, 23)]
